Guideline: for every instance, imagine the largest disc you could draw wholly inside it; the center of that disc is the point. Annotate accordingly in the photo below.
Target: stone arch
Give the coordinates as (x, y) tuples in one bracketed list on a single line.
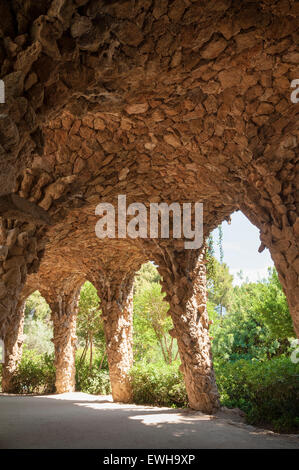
[(155, 100), (46, 188)]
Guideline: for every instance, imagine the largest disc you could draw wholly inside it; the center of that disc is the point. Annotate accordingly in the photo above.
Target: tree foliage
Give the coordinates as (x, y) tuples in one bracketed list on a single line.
[(151, 320), (273, 308), (220, 286), (37, 308), (90, 324), (258, 325), (38, 327), (147, 274)]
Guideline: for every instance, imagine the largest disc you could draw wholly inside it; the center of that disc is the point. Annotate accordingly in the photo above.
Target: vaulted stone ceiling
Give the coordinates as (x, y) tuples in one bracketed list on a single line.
[(159, 100)]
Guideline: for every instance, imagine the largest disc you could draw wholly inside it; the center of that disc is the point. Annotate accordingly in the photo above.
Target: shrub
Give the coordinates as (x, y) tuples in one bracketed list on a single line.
[(268, 392), (92, 380), (158, 384), (35, 374)]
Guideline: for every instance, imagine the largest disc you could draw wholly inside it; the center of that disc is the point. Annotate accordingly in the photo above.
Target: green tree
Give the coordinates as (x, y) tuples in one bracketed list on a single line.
[(36, 307), (147, 274), (220, 286), (38, 327), (257, 325), (90, 325), (220, 243), (211, 260), (273, 308), (151, 320)]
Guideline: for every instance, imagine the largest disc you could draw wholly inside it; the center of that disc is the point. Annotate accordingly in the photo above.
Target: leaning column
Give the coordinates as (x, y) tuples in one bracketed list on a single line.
[(116, 294), (13, 347), (64, 309), (184, 280)]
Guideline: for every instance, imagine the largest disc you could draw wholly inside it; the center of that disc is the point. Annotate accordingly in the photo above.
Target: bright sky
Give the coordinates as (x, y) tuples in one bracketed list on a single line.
[(240, 246)]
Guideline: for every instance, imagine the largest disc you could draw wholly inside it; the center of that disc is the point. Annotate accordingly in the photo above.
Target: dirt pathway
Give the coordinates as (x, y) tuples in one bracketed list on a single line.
[(78, 420)]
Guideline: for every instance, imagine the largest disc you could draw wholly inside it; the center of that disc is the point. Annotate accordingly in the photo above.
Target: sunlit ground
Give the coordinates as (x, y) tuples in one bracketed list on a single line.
[(82, 421)]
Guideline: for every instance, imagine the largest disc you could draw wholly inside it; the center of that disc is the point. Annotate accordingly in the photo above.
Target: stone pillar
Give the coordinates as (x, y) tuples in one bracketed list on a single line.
[(64, 309), (116, 294), (13, 346), (184, 280)]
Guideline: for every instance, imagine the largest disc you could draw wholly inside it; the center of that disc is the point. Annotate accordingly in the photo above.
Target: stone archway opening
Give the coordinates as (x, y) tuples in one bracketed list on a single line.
[(246, 301), (236, 243), (31, 328), (164, 104), (38, 325), (91, 351), (248, 258), (152, 313)]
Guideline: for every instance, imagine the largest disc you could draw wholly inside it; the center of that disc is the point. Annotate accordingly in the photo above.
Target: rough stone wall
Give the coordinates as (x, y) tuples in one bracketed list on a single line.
[(30, 59), (116, 293), (13, 341)]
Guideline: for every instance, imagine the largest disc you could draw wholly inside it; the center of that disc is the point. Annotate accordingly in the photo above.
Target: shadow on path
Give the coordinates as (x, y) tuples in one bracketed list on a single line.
[(81, 421)]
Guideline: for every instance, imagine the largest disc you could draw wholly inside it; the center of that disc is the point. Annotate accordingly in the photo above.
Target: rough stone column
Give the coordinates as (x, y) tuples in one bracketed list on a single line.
[(184, 281), (64, 309), (116, 294), (13, 347)]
